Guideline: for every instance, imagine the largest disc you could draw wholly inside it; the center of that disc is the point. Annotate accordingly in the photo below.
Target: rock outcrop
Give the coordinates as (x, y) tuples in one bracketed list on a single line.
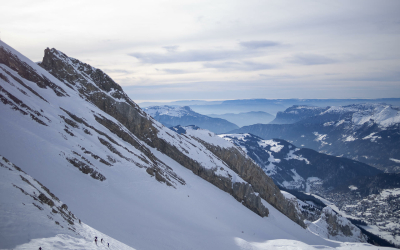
[(334, 226), (253, 174), (99, 89)]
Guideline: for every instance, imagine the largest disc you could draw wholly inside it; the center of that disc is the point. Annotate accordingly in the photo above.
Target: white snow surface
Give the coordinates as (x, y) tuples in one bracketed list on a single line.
[(372, 137), (275, 146), (130, 208), (395, 160), (352, 187), (350, 138), (292, 156)]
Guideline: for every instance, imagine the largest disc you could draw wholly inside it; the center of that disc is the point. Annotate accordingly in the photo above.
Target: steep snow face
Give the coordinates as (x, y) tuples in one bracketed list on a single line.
[(32, 216), (208, 137), (102, 170)]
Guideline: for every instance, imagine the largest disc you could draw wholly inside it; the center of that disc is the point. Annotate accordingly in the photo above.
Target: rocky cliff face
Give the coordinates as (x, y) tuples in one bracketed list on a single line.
[(260, 182), (96, 87)]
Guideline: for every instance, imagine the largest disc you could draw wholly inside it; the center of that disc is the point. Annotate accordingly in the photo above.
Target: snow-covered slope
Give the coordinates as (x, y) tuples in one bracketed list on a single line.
[(31, 214), (127, 176), (173, 116)]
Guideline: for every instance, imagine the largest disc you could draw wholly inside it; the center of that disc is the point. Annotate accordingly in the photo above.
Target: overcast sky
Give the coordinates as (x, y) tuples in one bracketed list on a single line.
[(217, 50)]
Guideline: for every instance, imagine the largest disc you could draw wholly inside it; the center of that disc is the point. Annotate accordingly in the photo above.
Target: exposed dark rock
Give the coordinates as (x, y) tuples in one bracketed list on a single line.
[(17, 104), (337, 224), (41, 194), (86, 169), (102, 91), (27, 72), (260, 182), (22, 83), (43, 198)]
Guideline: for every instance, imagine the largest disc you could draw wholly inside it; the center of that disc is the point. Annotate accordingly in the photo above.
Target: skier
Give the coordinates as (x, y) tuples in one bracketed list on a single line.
[(108, 244), (95, 239), (101, 240), (40, 248)]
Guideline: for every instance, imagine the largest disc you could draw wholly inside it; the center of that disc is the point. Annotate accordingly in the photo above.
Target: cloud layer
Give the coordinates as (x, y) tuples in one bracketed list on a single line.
[(221, 49)]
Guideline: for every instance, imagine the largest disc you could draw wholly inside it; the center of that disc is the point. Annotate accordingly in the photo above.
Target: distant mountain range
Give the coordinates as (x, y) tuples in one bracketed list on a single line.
[(246, 118), (271, 106), (300, 168), (369, 133), (171, 116)]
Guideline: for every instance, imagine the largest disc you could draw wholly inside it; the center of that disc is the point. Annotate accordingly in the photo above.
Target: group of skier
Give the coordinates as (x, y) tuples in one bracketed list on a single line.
[(95, 240)]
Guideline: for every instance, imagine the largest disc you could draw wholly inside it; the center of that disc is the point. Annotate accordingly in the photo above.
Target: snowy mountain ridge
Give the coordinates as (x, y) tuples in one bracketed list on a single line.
[(382, 114), (124, 173), (171, 116), (368, 133), (169, 110), (299, 168), (57, 133)]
